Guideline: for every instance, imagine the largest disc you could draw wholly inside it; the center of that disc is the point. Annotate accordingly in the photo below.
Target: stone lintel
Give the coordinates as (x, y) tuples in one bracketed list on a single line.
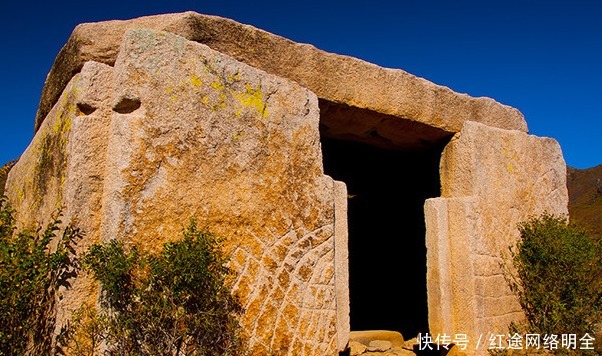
[(336, 78)]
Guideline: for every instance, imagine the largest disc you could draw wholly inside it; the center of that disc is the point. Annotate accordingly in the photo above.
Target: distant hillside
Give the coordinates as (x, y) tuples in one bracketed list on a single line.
[(585, 197)]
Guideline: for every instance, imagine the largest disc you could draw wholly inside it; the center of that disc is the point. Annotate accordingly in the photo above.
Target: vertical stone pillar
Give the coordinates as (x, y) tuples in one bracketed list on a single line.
[(341, 264), (491, 180)]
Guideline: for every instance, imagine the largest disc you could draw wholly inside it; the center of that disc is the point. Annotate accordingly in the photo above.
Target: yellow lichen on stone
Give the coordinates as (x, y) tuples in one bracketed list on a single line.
[(63, 124), (238, 134), (253, 98), (195, 80), (52, 151), (20, 195), (222, 101), (217, 84), (233, 77)]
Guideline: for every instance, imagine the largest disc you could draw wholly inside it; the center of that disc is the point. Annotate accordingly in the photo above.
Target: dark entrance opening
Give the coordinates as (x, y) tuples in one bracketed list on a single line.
[(387, 184)]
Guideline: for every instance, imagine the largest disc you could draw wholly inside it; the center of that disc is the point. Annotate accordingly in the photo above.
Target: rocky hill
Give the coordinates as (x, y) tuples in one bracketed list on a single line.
[(585, 197)]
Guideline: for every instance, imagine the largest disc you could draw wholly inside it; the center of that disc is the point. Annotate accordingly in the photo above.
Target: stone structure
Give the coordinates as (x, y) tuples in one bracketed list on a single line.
[(146, 123)]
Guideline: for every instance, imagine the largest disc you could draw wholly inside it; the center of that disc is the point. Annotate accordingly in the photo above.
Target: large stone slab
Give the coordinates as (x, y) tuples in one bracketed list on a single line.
[(239, 149), (491, 180), (334, 78), (176, 130), (62, 171)]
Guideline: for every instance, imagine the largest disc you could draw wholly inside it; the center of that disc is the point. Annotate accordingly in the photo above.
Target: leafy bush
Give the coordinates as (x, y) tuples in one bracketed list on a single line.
[(4, 170), (30, 276), (173, 302), (559, 270)]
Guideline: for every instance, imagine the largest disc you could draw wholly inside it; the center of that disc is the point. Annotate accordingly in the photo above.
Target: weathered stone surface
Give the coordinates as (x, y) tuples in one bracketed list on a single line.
[(343, 122), (356, 348), (341, 264), (62, 170), (366, 336), (334, 78), (242, 153), (379, 345), (491, 179), (403, 352), (456, 351), (409, 344), (176, 130), (377, 342)]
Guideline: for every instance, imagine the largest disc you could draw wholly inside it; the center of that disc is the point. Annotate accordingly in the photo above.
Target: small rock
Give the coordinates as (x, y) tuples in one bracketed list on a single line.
[(366, 336), (356, 348), (409, 344), (457, 351), (379, 345), (402, 352)]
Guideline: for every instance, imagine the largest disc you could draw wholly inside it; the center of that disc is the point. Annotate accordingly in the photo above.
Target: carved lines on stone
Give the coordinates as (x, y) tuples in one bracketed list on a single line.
[(290, 291)]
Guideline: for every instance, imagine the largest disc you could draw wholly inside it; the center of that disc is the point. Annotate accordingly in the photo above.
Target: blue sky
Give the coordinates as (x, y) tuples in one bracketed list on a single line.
[(542, 57)]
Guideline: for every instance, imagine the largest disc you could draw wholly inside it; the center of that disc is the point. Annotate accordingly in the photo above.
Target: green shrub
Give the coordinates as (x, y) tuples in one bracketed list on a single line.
[(30, 276), (176, 301), (4, 170), (559, 270)]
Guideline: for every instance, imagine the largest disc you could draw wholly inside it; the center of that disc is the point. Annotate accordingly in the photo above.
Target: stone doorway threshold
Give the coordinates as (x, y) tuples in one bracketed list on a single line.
[(380, 342), (387, 343)]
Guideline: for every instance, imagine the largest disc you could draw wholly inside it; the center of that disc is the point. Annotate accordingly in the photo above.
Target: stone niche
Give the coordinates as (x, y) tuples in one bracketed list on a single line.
[(334, 181)]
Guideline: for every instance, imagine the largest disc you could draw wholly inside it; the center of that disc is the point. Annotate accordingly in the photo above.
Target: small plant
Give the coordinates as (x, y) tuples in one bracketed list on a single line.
[(30, 276), (558, 276), (175, 302), (4, 170)]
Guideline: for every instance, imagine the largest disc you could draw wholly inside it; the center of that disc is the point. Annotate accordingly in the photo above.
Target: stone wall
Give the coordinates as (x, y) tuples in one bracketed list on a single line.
[(174, 131), (63, 171), (491, 180), (139, 130)]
